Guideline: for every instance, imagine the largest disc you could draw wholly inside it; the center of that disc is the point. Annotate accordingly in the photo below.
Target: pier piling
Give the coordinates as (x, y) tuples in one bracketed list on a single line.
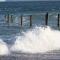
[(8, 18), (5, 18), (21, 20), (11, 18), (30, 20), (58, 20), (46, 19)]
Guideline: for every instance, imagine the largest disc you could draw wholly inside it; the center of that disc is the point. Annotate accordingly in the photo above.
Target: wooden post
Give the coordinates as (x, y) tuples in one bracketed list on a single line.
[(46, 19), (8, 18), (30, 20), (58, 21), (11, 18), (21, 20), (5, 18)]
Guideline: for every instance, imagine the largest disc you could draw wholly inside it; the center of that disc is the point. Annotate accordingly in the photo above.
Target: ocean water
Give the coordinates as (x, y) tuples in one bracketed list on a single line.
[(37, 39), (32, 7)]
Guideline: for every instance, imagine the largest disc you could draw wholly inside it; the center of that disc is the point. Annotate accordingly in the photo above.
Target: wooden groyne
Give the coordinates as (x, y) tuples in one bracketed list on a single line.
[(46, 19), (21, 20), (58, 20), (10, 19), (30, 20)]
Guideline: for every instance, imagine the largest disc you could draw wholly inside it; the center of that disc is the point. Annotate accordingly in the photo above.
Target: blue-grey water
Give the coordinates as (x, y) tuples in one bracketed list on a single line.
[(38, 9), (26, 7), (35, 8)]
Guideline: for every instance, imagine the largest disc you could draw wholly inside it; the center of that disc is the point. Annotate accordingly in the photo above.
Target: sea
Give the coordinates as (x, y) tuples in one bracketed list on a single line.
[(25, 41)]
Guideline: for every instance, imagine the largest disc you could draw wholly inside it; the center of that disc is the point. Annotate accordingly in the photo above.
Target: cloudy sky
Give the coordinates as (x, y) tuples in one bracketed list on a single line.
[(29, 0)]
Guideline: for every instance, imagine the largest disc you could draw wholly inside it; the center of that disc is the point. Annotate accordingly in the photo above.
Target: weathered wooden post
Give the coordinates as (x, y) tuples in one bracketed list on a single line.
[(46, 19), (11, 18), (30, 20), (8, 18), (21, 20), (5, 18), (58, 20)]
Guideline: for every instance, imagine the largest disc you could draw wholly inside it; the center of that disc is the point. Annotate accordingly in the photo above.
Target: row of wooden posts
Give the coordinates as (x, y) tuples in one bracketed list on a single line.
[(46, 19), (9, 18), (58, 20)]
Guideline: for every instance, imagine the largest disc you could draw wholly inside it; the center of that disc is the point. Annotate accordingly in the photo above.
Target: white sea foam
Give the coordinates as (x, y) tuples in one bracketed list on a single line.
[(37, 40), (3, 48)]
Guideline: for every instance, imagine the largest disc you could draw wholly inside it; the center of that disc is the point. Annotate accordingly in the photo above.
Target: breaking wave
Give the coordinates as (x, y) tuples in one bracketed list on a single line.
[(37, 40), (3, 48)]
